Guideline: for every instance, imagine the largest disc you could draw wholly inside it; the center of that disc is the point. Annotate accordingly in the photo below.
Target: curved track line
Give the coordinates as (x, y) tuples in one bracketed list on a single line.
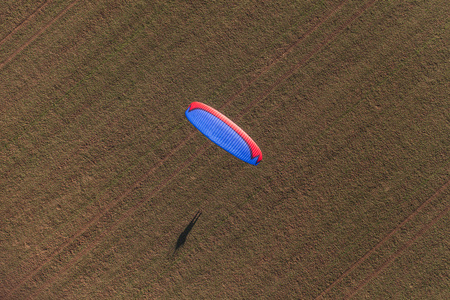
[(258, 99), (421, 232), (181, 144), (22, 24), (36, 35), (383, 240)]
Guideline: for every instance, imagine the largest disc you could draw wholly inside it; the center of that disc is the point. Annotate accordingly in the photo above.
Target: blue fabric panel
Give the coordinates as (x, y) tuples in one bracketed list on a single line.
[(221, 134)]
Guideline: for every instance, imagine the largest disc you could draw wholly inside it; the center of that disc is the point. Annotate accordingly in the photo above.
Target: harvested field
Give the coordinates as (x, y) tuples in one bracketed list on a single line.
[(101, 172)]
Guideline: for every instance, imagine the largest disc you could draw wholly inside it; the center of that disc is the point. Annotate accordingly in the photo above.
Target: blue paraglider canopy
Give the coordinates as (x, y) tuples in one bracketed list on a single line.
[(223, 132)]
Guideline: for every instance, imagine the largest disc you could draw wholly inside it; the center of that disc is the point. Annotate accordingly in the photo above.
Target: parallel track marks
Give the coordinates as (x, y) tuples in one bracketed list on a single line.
[(36, 35), (285, 53), (383, 240), (253, 103), (25, 21), (394, 256), (127, 214), (309, 56), (179, 146)]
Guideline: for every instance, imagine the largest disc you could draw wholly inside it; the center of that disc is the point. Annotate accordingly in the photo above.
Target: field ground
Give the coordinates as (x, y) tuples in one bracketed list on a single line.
[(101, 172)]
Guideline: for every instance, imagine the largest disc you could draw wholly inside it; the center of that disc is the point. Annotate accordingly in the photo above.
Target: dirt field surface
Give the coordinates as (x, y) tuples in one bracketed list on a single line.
[(101, 172)]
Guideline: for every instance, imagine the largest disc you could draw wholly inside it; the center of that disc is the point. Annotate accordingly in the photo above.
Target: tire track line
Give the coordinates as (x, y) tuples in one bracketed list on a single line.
[(256, 193), (383, 240), (289, 73), (292, 71), (286, 75), (126, 43), (303, 62), (24, 22), (125, 216), (417, 51), (178, 147), (36, 35), (238, 173), (286, 52), (89, 75), (98, 216), (399, 252), (132, 210)]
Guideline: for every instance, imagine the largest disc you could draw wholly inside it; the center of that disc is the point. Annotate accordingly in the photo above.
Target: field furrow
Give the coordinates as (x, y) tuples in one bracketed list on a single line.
[(101, 171)]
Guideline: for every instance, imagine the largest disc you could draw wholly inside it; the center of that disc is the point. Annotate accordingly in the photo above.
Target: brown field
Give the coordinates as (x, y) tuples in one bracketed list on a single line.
[(101, 172)]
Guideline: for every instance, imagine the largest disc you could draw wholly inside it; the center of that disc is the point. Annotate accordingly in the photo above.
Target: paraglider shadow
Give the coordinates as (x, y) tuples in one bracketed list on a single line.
[(182, 238)]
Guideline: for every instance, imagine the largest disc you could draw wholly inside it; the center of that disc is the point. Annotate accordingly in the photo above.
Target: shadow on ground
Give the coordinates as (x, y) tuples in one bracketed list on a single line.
[(182, 238)]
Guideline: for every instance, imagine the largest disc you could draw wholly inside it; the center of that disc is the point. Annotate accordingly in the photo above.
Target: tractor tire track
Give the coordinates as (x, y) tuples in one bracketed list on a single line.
[(36, 35), (127, 214), (303, 62), (95, 219), (25, 21), (394, 256), (258, 99), (239, 173), (98, 216), (274, 61), (285, 53), (141, 202), (417, 51), (384, 240), (253, 103)]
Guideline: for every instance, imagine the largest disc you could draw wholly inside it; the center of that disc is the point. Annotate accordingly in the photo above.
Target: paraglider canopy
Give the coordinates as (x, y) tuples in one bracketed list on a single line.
[(223, 132)]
